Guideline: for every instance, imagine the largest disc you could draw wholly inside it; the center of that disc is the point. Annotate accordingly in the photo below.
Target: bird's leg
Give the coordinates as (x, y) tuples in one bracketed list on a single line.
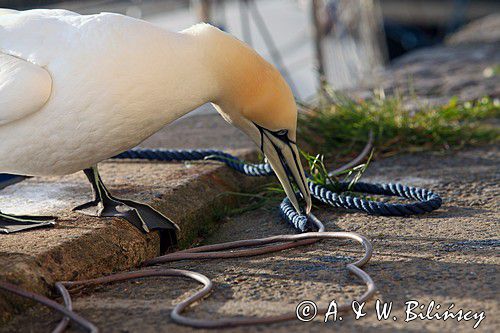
[(14, 223), (142, 216)]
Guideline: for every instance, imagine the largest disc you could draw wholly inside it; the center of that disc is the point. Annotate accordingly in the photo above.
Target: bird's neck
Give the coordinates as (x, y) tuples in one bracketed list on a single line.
[(205, 65), (230, 74)]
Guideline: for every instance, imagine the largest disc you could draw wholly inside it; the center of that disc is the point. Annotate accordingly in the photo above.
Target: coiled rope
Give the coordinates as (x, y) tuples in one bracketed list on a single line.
[(426, 202)]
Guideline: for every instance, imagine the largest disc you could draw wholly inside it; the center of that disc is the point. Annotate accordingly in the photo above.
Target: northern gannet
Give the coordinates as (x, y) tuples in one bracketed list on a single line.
[(78, 89)]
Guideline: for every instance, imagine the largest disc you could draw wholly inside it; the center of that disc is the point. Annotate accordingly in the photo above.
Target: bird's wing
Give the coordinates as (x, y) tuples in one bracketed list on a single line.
[(24, 88)]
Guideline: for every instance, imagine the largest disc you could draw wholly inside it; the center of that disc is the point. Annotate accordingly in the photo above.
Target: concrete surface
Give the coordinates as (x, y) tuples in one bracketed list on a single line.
[(206, 130), (485, 30), (450, 256), (466, 67), (193, 195)]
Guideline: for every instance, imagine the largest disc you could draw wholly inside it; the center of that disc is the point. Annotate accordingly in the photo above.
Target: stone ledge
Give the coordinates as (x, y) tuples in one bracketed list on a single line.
[(484, 30), (462, 68), (80, 247)]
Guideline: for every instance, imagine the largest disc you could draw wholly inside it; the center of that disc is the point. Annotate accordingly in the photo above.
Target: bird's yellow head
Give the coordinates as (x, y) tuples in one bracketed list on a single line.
[(253, 96)]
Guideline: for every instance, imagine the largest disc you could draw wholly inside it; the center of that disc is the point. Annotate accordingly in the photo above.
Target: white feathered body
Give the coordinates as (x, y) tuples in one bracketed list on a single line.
[(75, 90)]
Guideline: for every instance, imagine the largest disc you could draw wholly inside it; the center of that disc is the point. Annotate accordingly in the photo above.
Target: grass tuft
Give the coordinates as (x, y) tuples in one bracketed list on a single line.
[(319, 174), (270, 195), (339, 125)]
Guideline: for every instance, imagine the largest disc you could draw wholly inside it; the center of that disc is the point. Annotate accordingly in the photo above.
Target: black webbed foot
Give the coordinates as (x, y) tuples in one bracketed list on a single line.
[(142, 216), (14, 223)]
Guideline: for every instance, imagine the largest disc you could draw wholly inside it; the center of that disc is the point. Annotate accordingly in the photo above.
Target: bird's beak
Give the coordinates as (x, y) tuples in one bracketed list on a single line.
[(284, 158)]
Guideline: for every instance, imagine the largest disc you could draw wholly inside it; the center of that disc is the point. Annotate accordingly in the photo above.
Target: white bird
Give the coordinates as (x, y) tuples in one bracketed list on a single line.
[(79, 89)]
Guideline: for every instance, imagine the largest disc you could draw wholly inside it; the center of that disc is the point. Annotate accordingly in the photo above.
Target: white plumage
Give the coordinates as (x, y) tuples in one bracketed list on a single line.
[(75, 90), (78, 89)]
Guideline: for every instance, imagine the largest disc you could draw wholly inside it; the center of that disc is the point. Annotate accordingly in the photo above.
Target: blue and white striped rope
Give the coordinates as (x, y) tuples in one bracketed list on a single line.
[(426, 201)]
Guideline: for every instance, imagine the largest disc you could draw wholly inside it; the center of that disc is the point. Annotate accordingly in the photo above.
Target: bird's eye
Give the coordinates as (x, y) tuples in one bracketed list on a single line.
[(282, 132)]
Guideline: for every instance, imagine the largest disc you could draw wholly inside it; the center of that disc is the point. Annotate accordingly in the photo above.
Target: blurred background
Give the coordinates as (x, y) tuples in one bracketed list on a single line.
[(318, 43), (340, 42)]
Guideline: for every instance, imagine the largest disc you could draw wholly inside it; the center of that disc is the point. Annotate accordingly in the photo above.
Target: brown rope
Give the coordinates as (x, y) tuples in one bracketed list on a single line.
[(216, 251)]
